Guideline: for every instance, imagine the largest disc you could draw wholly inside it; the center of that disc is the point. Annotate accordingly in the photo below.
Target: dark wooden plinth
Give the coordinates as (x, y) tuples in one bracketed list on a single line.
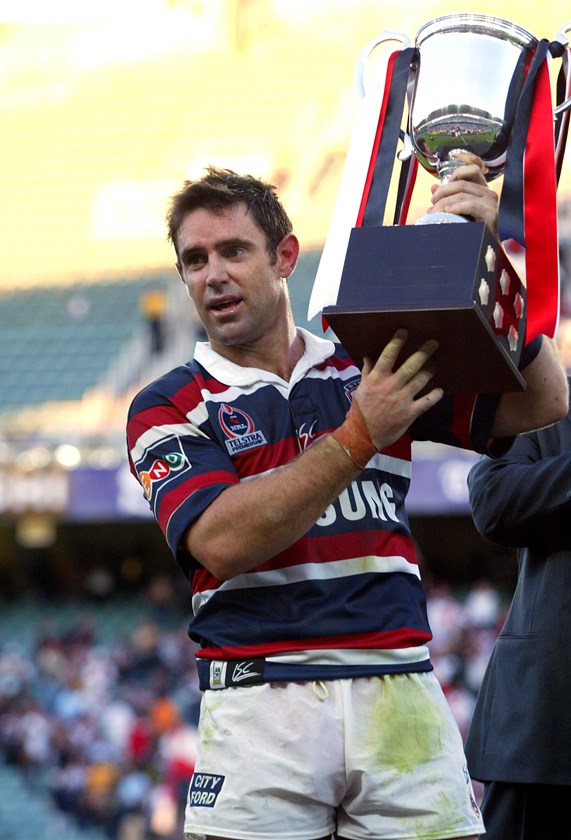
[(437, 281)]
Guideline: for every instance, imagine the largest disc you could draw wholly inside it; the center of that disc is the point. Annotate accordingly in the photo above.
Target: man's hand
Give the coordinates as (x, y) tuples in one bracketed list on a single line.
[(467, 193), (387, 398)]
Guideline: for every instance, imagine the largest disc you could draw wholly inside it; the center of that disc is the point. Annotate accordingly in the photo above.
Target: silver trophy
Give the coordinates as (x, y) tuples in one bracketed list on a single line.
[(455, 283), (465, 91)]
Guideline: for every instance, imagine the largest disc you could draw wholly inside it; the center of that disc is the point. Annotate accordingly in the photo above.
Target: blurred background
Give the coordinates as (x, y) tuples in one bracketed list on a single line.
[(104, 112)]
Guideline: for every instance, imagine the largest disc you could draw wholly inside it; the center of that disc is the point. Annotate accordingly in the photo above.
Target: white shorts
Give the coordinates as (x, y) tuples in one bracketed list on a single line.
[(368, 758)]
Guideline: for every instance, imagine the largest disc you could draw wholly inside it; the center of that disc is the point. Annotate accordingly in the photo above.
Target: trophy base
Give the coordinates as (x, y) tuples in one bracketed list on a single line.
[(451, 283)]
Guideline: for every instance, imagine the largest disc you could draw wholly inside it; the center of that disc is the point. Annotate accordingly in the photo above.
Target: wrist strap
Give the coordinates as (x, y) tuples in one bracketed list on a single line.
[(353, 436)]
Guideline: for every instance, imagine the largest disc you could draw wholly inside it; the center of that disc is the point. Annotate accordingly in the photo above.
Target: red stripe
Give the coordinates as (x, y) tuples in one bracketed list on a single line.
[(251, 462), (388, 640), (325, 549), (171, 500), (155, 415), (376, 543), (400, 449), (336, 547), (340, 363), (377, 141), (540, 214), (209, 384)]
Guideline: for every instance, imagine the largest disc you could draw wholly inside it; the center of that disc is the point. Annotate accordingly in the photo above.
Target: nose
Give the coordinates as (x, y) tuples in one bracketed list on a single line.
[(216, 271)]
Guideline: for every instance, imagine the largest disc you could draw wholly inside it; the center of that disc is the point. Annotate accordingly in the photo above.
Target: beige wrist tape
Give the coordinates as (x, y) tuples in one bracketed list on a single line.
[(354, 437)]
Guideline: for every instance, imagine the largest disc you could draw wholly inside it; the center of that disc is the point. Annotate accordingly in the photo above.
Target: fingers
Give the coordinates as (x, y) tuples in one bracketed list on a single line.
[(475, 170), (427, 400), (466, 195), (413, 367), (464, 181), (388, 395), (390, 353)]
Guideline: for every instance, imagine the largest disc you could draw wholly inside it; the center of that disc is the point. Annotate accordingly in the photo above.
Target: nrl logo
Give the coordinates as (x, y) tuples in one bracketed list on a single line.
[(239, 428)]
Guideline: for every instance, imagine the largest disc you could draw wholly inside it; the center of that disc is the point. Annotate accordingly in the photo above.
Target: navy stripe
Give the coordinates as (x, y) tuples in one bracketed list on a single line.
[(363, 603)]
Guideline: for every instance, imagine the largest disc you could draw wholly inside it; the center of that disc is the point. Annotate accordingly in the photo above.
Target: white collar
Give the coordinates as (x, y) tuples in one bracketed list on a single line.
[(316, 350)]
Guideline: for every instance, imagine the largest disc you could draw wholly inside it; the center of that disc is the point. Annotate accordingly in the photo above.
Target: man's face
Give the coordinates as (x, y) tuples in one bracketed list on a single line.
[(238, 291)]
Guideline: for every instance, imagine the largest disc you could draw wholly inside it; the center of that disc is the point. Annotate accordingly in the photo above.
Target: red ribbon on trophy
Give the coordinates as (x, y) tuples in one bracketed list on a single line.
[(528, 205)]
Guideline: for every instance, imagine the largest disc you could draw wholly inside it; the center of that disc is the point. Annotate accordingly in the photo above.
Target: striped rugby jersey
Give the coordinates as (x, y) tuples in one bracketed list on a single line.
[(346, 599)]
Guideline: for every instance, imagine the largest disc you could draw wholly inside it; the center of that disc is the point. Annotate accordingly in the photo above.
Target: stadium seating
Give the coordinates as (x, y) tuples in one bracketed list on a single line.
[(114, 619), (56, 343), (27, 813)]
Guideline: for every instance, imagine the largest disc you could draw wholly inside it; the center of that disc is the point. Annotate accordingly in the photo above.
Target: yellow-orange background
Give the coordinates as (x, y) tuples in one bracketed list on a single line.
[(102, 118)]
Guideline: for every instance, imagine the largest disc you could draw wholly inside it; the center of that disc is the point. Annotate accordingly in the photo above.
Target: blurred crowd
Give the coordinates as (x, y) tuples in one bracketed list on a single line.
[(109, 729), (464, 631)]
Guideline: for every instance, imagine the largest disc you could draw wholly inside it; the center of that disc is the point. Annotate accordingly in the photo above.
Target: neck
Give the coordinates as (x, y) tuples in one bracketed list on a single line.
[(277, 354)]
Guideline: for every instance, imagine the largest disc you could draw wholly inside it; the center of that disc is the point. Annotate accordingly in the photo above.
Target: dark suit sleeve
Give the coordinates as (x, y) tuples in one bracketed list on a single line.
[(524, 497)]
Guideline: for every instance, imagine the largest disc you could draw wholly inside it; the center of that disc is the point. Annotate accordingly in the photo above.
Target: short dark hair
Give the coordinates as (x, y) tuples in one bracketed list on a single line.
[(222, 188)]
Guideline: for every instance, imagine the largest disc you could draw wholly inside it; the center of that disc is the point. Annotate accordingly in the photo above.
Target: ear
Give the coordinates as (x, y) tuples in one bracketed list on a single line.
[(288, 253), (180, 274)]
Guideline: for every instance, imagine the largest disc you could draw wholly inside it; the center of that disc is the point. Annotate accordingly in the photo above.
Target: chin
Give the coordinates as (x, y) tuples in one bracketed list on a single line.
[(227, 338)]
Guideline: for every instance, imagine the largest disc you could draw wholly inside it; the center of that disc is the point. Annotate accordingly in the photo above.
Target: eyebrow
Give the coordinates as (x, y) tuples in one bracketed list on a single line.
[(232, 241)]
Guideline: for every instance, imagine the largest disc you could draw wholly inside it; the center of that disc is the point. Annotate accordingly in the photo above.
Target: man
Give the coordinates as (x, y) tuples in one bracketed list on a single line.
[(278, 473), (519, 743)]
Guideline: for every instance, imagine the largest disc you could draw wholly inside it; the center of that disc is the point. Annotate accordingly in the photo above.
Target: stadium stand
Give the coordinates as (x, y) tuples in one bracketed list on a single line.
[(42, 820), (55, 343), (58, 343), (97, 715)]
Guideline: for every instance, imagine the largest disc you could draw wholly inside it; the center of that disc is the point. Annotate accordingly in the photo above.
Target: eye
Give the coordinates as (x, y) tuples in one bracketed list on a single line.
[(234, 251), (195, 260)]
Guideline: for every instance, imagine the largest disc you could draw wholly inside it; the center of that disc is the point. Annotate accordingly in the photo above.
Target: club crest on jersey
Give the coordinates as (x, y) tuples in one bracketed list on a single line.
[(160, 469), (350, 388), (239, 428)]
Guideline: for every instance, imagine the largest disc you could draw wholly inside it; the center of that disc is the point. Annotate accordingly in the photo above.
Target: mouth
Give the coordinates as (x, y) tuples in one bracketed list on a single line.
[(225, 306)]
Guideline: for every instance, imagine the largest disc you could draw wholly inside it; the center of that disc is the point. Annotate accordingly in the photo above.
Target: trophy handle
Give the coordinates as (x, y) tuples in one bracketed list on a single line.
[(562, 38), (386, 35)]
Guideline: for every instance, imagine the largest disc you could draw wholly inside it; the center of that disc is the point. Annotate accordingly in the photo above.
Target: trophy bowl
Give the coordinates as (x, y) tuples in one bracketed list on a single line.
[(467, 82)]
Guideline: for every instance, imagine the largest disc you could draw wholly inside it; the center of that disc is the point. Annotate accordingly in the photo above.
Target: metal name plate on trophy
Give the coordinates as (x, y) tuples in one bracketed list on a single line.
[(452, 282)]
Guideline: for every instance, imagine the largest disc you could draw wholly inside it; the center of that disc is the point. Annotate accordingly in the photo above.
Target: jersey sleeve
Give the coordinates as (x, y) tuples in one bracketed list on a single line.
[(462, 420), (179, 463)]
